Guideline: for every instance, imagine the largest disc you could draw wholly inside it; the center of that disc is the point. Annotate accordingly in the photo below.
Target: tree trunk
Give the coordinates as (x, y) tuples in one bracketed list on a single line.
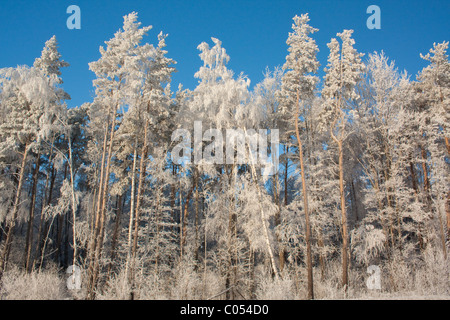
[(186, 215), (74, 217), (413, 177), (44, 225), (102, 213), (443, 238), (344, 219), (158, 230), (60, 228), (339, 142), (197, 220), (132, 210), (447, 209), (99, 229), (29, 239), (95, 229), (426, 181), (232, 221), (305, 205), (142, 169), (286, 178), (276, 195), (281, 255), (263, 220), (119, 209)]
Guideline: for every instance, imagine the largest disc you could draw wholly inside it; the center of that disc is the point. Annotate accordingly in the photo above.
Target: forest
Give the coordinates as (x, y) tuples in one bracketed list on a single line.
[(94, 205)]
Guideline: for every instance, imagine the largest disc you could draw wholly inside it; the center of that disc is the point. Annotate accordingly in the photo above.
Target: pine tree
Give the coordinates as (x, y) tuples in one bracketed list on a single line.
[(49, 63), (433, 101), (299, 83), (112, 71), (342, 74), (27, 99)]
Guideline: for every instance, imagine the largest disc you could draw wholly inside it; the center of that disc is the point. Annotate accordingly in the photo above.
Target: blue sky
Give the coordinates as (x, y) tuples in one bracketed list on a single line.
[(254, 33)]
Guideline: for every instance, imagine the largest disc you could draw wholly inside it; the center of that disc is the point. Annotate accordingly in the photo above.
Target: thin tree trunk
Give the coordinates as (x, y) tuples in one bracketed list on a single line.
[(281, 255), (142, 169), (232, 219), (94, 236), (158, 230), (74, 209), (447, 203), (262, 217), (344, 219), (29, 239), (115, 236), (426, 181), (413, 177), (443, 238), (354, 205), (43, 225), (205, 254), (132, 210), (286, 178), (186, 215), (197, 220), (339, 142), (276, 194), (447, 209), (102, 213), (60, 227), (66, 242), (305, 205)]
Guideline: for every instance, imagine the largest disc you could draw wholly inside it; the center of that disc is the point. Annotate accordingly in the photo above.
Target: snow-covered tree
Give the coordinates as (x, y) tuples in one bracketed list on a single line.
[(342, 74), (113, 80), (433, 106), (27, 102), (299, 83)]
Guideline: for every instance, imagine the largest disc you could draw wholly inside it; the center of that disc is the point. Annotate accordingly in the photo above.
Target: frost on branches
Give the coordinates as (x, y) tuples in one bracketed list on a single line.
[(361, 180)]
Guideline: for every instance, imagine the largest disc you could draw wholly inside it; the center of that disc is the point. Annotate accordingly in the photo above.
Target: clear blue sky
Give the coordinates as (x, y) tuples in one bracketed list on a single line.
[(254, 33)]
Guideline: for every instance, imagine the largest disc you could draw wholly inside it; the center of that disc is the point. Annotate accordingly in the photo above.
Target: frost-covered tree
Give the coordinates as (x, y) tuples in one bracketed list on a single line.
[(153, 110), (112, 71), (134, 100), (385, 95), (222, 102), (299, 83), (27, 102), (342, 74), (216, 102), (50, 63), (433, 106)]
